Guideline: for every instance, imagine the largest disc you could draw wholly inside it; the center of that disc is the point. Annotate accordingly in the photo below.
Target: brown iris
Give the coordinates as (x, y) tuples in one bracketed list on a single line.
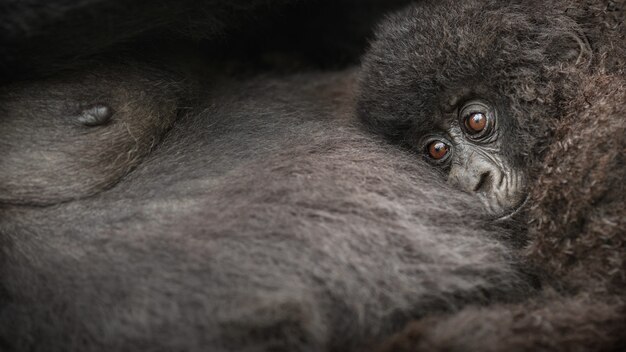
[(476, 122), (437, 149)]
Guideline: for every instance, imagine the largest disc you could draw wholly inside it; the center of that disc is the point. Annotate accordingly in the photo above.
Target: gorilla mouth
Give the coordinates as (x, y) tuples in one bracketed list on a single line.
[(514, 210)]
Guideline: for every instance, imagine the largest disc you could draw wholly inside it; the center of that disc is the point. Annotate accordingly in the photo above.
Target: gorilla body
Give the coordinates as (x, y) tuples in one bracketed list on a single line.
[(255, 214), (264, 220)]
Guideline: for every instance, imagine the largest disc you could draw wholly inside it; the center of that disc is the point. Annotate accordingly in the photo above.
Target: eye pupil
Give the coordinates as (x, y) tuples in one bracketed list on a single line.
[(476, 122), (437, 149)]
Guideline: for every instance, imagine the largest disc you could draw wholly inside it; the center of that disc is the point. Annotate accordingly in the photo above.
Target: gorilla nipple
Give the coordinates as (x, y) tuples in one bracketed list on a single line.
[(96, 115)]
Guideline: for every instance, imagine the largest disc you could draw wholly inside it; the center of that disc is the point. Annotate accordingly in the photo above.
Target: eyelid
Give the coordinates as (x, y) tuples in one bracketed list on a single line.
[(476, 105)]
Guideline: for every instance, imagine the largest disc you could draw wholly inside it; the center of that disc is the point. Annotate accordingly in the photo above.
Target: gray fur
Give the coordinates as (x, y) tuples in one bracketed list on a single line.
[(264, 221), (60, 142)]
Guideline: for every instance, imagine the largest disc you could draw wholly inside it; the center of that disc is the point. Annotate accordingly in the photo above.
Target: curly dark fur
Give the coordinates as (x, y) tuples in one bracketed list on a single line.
[(518, 55), (579, 211)]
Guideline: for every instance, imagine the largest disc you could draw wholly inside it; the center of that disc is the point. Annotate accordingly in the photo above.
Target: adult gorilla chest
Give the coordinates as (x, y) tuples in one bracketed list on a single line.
[(261, 221)]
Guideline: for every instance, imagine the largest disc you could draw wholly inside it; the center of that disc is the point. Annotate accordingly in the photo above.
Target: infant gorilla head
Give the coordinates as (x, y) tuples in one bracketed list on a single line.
[(473, 86)]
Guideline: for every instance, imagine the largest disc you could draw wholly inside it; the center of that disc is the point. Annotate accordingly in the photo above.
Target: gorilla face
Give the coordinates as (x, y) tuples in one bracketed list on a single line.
[(471, 87), (471, 148)]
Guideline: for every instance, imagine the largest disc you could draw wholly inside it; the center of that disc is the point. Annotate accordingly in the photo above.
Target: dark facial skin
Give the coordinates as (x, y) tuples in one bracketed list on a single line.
[(470, 149), (473, 105)]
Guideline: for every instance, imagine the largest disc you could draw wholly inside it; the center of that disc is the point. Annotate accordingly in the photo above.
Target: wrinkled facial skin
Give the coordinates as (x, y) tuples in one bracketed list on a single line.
[(469, 148)]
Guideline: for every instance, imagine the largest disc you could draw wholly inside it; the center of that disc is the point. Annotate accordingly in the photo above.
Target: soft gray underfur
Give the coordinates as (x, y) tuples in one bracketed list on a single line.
[(265, 222)]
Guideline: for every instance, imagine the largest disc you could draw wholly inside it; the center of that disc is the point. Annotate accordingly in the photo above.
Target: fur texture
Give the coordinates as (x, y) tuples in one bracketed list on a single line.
[(55, 149), (519, 56), (579, 212), (524, 57), (576, 205), (266, 221)]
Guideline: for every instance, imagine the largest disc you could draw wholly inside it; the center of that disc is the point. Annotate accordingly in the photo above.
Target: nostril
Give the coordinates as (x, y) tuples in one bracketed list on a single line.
[(484, 182)]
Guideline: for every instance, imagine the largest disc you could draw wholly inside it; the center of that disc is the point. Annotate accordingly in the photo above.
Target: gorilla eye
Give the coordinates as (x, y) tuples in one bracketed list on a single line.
[(437, 150), (476, 122), (477, 119)]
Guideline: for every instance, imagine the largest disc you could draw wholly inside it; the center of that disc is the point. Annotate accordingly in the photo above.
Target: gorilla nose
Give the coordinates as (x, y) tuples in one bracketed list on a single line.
[(484, 182), (472, 179)]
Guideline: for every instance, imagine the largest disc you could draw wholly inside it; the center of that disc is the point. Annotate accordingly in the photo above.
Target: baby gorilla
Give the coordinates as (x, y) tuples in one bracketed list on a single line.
[(472, 86)]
